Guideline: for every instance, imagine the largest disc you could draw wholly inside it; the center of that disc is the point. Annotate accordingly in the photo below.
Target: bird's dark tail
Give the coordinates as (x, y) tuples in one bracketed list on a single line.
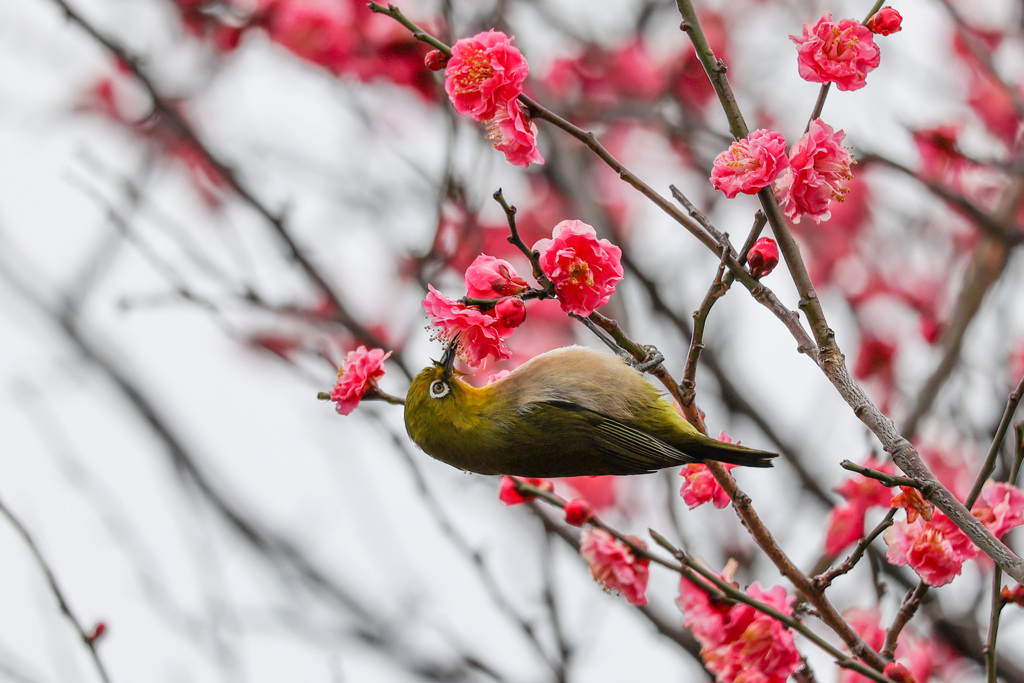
[(731, 453)]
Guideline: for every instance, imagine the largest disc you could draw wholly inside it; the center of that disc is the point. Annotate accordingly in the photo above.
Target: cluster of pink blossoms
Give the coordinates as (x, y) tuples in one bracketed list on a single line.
[(936, 548), (814, 173), (739, 643), (484, 78), (481, 334), (583, 268)]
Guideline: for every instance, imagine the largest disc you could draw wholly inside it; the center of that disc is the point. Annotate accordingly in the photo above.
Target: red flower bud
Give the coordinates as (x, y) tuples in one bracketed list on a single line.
[(97, 632), (509, 495), (1014, 595), (578, 512), (885, 21), (763, 257), (436, 60), (897, 672), (510, 312)]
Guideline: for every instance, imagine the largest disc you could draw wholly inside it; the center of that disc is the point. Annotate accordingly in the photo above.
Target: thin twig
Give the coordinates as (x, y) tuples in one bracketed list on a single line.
[(85, 636), (906, 612)]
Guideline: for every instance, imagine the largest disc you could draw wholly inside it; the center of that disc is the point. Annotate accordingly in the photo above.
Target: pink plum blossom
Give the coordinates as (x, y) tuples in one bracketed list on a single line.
[(315, 30), (614, 565), (510, 495), (846, 521), (578, 512), (840, 52), (750, 164), (484, 74), (358, 374), (819, 171), (583, 268)]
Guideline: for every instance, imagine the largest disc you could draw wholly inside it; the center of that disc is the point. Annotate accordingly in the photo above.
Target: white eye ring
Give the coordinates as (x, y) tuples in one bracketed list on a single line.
[(439, 389)]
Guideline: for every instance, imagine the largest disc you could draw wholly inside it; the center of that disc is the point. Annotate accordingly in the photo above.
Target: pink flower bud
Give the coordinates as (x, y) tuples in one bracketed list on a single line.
[(578, 512), (885, 21), (435, 60), (899, 673), (510, 312), (488, 277), (763, 257)]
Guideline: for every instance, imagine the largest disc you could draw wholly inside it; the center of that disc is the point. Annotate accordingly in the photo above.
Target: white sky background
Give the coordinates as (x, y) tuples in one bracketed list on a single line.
[(132, 542)]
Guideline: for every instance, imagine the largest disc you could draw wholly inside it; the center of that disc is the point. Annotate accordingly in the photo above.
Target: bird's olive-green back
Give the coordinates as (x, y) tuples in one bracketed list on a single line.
[(568, 412)]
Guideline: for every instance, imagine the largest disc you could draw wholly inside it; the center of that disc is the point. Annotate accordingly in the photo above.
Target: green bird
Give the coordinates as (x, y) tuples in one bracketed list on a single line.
[(566, 413)]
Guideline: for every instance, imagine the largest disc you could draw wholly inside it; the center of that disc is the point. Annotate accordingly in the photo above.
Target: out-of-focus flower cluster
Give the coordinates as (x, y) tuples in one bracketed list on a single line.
[(926, 539), (738, 642)]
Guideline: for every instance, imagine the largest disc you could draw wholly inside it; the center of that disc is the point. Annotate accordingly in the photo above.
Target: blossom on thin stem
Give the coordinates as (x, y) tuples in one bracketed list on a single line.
[(509, 494), (750, 164), (846, 521), (840, 52), (357, 375), (819, 171), (583, 268), (614, 565)]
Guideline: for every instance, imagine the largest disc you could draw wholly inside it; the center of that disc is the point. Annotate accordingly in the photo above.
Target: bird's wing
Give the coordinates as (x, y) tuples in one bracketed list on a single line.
[(617, 448)]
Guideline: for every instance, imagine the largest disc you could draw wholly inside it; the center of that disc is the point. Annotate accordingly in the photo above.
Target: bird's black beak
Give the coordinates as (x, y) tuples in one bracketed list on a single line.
[(448, 357)]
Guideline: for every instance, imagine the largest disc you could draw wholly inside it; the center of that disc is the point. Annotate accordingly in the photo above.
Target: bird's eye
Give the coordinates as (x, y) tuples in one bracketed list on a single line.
[(439, 389)]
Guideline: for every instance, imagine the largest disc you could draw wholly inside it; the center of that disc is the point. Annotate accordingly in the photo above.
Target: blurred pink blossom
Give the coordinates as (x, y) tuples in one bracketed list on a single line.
[(614, 565)]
